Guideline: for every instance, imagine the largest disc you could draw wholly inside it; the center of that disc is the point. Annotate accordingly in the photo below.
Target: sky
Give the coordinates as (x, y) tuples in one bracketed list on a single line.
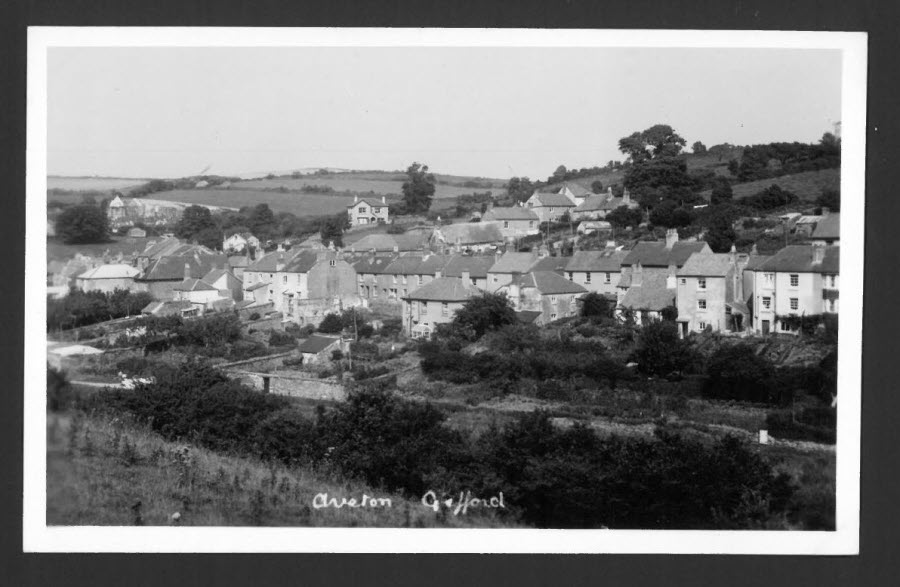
[(491, 112)]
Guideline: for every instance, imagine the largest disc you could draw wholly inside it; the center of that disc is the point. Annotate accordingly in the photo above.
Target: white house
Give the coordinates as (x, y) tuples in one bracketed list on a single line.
[(240, 241), (367, 211)]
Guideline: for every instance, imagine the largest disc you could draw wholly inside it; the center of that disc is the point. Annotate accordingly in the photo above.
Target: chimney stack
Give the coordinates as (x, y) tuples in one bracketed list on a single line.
[(382, 200), (609, 193), (670, 277), (637, 275), (626, 197), (671, 238), (355, 198), (279, 264), (818, 254), (187, 271), (437, 274), (466, 278)]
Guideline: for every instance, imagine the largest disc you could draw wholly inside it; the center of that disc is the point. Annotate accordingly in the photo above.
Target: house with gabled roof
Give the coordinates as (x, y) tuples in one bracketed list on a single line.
[(107, 278), (365, 211), (468, 237), (550, 207), (161, 275), (389, 243), (597, 206), (709, 293), (596, 271), (435, 303), (509, 265), (827, 230), (318, 348), (547, 292), (513, 221), (798, 280), (575, 192), (240, 242)]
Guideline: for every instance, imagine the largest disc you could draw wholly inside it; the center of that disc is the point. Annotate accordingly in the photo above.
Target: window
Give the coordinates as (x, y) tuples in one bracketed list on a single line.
[(496, 279), (702, 325), (359, 278), (571, 276), (608, 278), (784, 327), (445, 309), (362, 209), (767, 303), (333, 263), (531, 224), (587, 277), (552, 299), (769, 278), (795, 280), (393, 292), (394, 279), (795, 303), (404, 280), (376, 210), (284, 279), (831, 281), (683, 281), (505, 224), (474, 281), (701, 304), (701, 283), (553, 316), (420, 280)]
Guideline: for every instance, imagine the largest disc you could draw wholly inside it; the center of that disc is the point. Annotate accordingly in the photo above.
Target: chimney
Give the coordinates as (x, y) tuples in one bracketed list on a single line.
[(279, 264), (609, 193), (818, 254), (754, 252), (280, 247), (466, 279), (382, 200), (637, 275), (187, 271), (626, 197), (671, 238), (670, 277), (733, 254), (355, 198), (437, 274), (372, 256)]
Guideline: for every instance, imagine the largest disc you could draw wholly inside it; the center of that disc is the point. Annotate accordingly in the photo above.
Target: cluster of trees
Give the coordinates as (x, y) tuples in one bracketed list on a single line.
[(83, 224), (81, 308), (550, 477), (777, 159)]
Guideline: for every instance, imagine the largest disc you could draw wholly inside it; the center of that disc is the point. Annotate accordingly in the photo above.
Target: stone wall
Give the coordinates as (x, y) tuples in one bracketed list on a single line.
[(293, 385)]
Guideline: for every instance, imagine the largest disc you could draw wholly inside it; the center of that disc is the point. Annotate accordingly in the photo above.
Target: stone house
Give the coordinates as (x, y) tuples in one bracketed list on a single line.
[(108, 278), (318, 348), (597, 206), (546, 292), (367, 211), (827, 230), (797, 280), (648, 296), (508, 266), (575, 192), (550, 207), (161, 275), (709, 293), (435, 303), (597, 271), (514, 222), (240, 242), (468, 237)]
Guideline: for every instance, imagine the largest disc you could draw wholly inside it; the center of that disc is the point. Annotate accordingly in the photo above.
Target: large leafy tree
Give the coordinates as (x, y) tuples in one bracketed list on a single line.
[(194, 220), (721, 192), (483, 313), (418, 189), (262, 221), (623, 217), (658, 141), (82, 224), (519, 188), (661, 351)]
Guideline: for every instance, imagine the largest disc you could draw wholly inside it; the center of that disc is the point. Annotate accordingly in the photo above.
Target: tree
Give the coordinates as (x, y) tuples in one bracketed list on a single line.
[(418, 189), (658, 141), (332, 229), (670, 214), (597, 186), (262, 221), (736, 372), (733, 167), (721, 191), (331, 324), (623, 217), (82, 224), (698, 148), (480, 314), (596, 304), (719, 222), (194, 220), (830, 199), (558, 175), (519, 188), (661, 352)]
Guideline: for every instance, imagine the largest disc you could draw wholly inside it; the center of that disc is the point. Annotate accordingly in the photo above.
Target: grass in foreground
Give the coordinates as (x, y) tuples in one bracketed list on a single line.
[(99, 469)]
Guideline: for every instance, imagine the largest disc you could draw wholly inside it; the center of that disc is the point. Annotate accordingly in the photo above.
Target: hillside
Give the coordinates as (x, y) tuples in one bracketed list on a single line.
[(807, 185), (100, 468)]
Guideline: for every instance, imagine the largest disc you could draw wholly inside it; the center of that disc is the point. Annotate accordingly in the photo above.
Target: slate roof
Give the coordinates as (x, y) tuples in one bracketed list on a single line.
[(655, 254), (256, 286), (576, 189), (474, 233), (513, 262), (548, 283), (829, 227), (370, 201), (388, 242), (509, 213), (194, 285), (369, 264), (239, 261), (476, 265), (317, 343), (651, 295), (557, 264), (528, 316), (404, 265), (444, 289), (217, 274), (799, 259), (110, 271), (608, 261), (755, 262), (166, 308), (269, 261), (171, 268), (301, 262), (706, 265), (593, 203), (167, 246), (556, 200)]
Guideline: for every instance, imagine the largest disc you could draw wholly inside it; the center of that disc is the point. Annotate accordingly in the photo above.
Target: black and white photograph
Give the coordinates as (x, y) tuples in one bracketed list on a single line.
[(434, 290)]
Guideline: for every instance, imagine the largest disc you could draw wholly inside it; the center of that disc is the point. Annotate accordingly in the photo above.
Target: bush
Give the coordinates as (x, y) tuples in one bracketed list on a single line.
[(331, 324), (816, 424), (483, 313), (253, 316), (279, 338), (736, 372), (594, 304), (59, 391), (662, 352)]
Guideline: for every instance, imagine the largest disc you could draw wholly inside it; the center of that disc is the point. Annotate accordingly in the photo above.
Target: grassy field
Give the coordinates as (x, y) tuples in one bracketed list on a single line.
[(98, 469), (60, 251), (295, 203), (340, 183), (807, 185), (92, 183)]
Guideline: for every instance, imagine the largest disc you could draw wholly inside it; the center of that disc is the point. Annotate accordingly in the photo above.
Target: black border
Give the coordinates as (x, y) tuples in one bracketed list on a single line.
[(877, 564)]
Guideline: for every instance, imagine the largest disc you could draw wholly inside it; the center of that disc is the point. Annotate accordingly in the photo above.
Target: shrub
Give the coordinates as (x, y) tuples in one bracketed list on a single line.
[(737, 372), (483, 313), (594, 304), (331, 324), (279, 338), (59, 391), (662, 352), (816, 424)]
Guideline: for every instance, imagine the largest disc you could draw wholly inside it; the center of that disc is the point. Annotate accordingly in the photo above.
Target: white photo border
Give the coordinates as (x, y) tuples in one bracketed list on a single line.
[(38, 537)]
